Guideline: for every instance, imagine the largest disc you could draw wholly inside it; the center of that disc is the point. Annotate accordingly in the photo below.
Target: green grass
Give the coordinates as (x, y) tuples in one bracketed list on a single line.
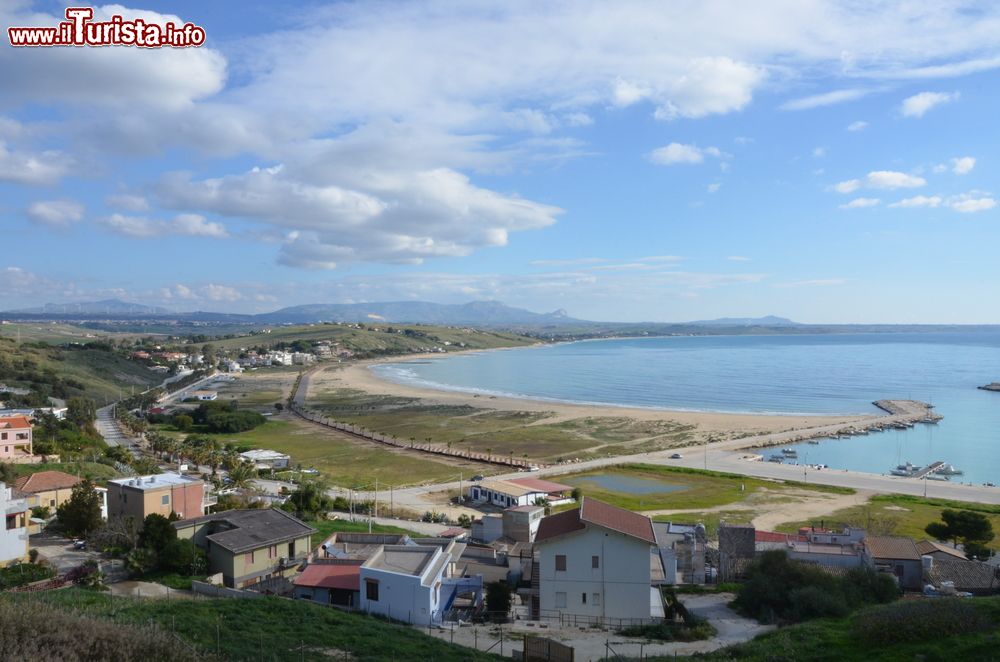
[(834, 640), (702, 489), (171, 579), (94, 471), (326, 527), (272, 628), (343, 462), (900, 514)]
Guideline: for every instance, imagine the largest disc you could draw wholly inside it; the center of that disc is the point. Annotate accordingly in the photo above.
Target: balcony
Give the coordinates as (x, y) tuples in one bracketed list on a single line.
[(209, 500)]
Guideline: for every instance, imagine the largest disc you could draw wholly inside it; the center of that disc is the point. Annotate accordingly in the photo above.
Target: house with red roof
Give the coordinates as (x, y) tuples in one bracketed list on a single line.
[(15, 440), (331, 581), (597, 564)]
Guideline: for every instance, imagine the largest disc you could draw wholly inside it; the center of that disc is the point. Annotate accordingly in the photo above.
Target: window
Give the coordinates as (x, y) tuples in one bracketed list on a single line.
[(52, 503), (560, 600), (3, 436), (371, 590), (596, 600), (11, 522), (165, 500), (560, 562), (272, 551), (595, 561), (583, 598), (248, 558)]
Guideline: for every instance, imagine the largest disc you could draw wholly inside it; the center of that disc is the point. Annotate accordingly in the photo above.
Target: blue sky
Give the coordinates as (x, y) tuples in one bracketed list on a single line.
[(633, 161)]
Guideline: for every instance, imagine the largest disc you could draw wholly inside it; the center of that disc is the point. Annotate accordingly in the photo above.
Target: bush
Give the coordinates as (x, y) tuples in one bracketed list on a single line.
[(919, 621), (671, 631), (24, 573)]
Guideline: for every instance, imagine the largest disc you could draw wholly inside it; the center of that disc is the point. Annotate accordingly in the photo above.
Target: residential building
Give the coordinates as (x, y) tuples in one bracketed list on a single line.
[(204, 394), (139, 496), (416, 583), (896, 555), (949, 575), (303, 358), (47, 488), (597, 561), (520, 492), (14, 534), (15, 440), (249, 546), (266, 459), (939, 551), (829, 548), (682, 551), (516, 524), (331, 581)]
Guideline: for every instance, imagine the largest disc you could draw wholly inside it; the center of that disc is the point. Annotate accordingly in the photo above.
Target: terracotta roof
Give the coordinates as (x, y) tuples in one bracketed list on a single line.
[(592, 511), (345, 576), (967, 575), (538, 484), (11, 422), (931, 547), (44, 481), (772, 536), (559, 524), (891, 547)]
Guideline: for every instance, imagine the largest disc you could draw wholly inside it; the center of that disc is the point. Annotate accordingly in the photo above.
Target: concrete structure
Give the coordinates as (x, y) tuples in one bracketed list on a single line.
[(266, 459), (139, 496), (15, 440), (487, 528), (949, 575), (829, 548), (682, 551), (597, 561), (205, 395), (895, 555), (519, 492), (331, 582), (14, 534), (415, 583), (249, 546), (521, 523)]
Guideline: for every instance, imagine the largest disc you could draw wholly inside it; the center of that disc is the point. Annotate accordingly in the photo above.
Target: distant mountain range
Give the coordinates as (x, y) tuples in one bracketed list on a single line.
[(106, 307), (768, 320)]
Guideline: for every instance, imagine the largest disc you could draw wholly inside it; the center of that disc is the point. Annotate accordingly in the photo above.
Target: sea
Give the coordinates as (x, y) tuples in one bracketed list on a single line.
[(774, 374)]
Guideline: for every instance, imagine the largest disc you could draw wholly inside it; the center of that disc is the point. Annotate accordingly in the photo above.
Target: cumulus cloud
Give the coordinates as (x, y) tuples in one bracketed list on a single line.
[(919, 104), (860, 203), (859, 125), (971, 202), (128, 202), (824, 99), (55, 213), (963, 165), (919, 201), (32, 168), (880, 179), (141, 227), (675, 153)]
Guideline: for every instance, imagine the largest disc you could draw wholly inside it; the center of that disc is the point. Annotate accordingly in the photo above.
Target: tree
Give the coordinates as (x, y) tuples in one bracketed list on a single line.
[(278, 406), (81, 411), (970, 528), (577, 494), (81, 514), (183, 422), (8, 473), (157, 531), (464, 521), (242, 475), (182, 557)]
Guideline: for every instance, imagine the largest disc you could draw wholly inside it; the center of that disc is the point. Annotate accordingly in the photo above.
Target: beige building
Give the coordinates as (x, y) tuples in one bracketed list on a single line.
[(48, 488), (249, 546), (139, 496)]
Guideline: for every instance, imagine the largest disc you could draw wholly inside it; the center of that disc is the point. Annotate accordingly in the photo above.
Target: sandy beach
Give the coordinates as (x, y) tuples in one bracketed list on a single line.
[(719, 425)]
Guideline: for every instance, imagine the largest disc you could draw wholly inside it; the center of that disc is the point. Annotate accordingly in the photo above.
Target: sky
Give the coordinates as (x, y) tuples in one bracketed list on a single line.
[(830, 162)]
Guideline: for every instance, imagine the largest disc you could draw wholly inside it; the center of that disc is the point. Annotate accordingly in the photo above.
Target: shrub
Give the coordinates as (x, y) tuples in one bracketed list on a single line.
[(666, 631), (919, 621)]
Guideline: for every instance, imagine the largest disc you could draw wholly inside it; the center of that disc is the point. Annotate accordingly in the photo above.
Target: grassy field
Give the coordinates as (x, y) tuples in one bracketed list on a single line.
[(699, 489), (54, 333), (834, 640), (327, 526), (900, 514), (260, 389), (342, 462), (369, 341), (265, 628), (94, 471), (517, 433)]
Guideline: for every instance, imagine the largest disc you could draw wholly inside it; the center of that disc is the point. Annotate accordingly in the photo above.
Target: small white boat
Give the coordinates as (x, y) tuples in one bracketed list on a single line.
[(949, 470)]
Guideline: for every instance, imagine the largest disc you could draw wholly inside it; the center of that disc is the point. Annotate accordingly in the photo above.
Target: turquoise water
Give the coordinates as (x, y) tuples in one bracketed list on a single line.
[(821, 374)]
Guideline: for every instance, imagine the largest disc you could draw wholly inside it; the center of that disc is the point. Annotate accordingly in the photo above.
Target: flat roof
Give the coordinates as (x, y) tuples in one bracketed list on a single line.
[(404, 559), (155, 481), (263, 454)]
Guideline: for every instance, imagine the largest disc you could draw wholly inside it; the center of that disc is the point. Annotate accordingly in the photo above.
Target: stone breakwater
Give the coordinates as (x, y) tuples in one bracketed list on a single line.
[(993, 386)]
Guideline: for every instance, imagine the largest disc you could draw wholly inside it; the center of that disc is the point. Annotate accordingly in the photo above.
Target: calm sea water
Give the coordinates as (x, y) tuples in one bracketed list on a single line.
[(825, 374)]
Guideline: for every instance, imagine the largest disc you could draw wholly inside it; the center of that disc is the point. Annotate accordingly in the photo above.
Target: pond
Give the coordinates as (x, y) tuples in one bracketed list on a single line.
[(627, 484)]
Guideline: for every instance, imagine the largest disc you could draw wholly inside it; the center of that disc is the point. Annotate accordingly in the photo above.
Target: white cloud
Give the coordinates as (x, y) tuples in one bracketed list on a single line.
[(919, 104), (738, 258), (675, 153), (919, 201), (825, 99), (860, 203), (713, 187), (128, 202), (971, 202), (880, 179), (215, 292), (32, 168), (819, 152), (55, 213), (963, 165), (140, 227), (859, 125)]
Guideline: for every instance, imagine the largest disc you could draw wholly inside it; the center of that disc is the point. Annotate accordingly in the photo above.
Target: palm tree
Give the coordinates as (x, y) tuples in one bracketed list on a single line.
[(242, 475)]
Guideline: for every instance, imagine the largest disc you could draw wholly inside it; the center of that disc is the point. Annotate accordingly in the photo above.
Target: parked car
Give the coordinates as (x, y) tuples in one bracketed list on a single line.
[(676, 456), (477, 477), (79, 543)]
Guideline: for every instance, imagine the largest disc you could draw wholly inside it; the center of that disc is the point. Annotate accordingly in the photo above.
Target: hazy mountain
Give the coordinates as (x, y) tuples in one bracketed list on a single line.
[(768, 320), (106, 307), (476, 313)]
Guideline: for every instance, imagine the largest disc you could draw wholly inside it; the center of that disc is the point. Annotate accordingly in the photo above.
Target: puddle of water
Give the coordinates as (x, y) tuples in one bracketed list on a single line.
[(627, 484)]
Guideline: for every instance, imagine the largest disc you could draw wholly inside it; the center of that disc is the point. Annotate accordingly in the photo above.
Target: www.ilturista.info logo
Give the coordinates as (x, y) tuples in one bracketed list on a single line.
[(79, 29)]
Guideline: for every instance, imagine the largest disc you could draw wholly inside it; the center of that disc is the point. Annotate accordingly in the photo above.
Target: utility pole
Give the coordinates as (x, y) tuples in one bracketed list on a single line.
[(392, 507), (460, 495)]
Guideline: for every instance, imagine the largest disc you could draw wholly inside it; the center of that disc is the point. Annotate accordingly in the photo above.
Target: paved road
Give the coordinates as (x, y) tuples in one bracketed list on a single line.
[(112, 433)]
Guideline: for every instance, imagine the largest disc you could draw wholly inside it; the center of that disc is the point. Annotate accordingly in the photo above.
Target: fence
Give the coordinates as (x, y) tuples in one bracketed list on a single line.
[(213, 591), (543, 649), (369, 435), (586, 621)]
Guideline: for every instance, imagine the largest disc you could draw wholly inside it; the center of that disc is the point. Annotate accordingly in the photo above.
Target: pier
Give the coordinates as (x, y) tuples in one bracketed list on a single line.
[(928, 470)]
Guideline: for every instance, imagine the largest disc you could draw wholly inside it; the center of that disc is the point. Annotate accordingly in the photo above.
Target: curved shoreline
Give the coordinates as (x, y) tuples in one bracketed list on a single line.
[(359, 376)]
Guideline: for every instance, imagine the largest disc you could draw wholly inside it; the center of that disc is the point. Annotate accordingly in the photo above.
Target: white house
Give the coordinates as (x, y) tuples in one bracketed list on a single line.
[(205, 395), (266, 459), (597, 562), (14, 533), (415, 583), (520, 492)]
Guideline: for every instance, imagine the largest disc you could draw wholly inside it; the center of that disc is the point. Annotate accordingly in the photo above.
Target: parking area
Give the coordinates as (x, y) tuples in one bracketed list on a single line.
[(59, 551)]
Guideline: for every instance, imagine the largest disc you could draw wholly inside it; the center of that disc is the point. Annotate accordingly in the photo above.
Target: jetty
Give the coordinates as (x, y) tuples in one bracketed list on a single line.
[(992, 386), (929, 469)]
